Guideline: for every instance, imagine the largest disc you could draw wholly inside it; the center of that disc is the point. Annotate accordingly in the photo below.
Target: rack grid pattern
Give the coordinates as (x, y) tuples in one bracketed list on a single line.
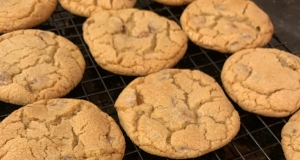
[(259, 137)]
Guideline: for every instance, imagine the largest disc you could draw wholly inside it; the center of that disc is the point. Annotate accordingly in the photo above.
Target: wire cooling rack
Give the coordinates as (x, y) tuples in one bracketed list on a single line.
[(259, 137)]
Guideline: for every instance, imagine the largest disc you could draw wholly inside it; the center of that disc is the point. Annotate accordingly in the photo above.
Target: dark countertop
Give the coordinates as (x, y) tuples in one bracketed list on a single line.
[(285, 15)]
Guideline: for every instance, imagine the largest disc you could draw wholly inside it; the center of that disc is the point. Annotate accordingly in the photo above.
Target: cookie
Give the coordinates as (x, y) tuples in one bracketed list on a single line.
[(86, 8), (290, 138), (36, 64), (226, 26), (134, 42), (177, 114), (263, 81), (174, 2), (63, 129), (16, 14)]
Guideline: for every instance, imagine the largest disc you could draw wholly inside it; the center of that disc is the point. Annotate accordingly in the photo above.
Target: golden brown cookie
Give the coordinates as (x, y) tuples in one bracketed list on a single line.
[(60, 129), (37, 65), (290, 140), (134, 42), (23, 14), (263, 81), (174, 2), (226, 26), (177, 114), (86, 8)]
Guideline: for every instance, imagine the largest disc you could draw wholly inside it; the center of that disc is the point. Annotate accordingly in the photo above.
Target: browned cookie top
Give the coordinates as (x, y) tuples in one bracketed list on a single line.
[(177, 114), (22, 14), (263, 81), (36, 65), (60, 129), (134, 42), (86, 8), (226, 25)]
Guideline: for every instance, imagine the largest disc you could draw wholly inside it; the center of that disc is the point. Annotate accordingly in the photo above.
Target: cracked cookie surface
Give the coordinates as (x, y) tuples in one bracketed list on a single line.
[(177, 114), (263, 81), (174, 2), (226, 26), (36, 64), (134, 42), (86, 8), (62, 129), (290, 140), (23, 14)]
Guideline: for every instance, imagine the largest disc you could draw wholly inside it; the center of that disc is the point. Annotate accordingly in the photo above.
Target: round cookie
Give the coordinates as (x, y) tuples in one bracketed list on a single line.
[(63, 129), (36, 64), (22, 14), (226, 26), (263, 81), (86, 8), (134, 42), (177, 114), (290, 140), (174, 2)]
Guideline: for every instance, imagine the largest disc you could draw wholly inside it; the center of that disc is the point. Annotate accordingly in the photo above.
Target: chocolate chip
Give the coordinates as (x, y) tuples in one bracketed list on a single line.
[(246, 36), (143, 34), (33, 81), (151, 29), (123, 29), (258, 28), (4, 78), (234, 43)]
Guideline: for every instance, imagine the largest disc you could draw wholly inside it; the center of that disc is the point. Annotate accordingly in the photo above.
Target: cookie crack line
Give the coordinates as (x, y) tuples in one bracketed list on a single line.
[(186, 124), (231, 19), (267, 95), (246, 7)]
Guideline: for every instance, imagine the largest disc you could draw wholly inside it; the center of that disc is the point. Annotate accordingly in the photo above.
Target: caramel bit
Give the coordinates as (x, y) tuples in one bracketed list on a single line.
[(246, 36), (123, 29), (143, 34), (4, 78), (138, 100), (151, 29), (233, 26), (89, 22)]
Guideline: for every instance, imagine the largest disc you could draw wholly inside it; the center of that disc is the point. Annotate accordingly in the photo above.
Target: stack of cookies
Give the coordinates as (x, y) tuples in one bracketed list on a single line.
[(160, 106)]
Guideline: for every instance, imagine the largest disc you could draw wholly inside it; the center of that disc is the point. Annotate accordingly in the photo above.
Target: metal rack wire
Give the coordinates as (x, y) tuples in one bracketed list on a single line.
[(259, 137)]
